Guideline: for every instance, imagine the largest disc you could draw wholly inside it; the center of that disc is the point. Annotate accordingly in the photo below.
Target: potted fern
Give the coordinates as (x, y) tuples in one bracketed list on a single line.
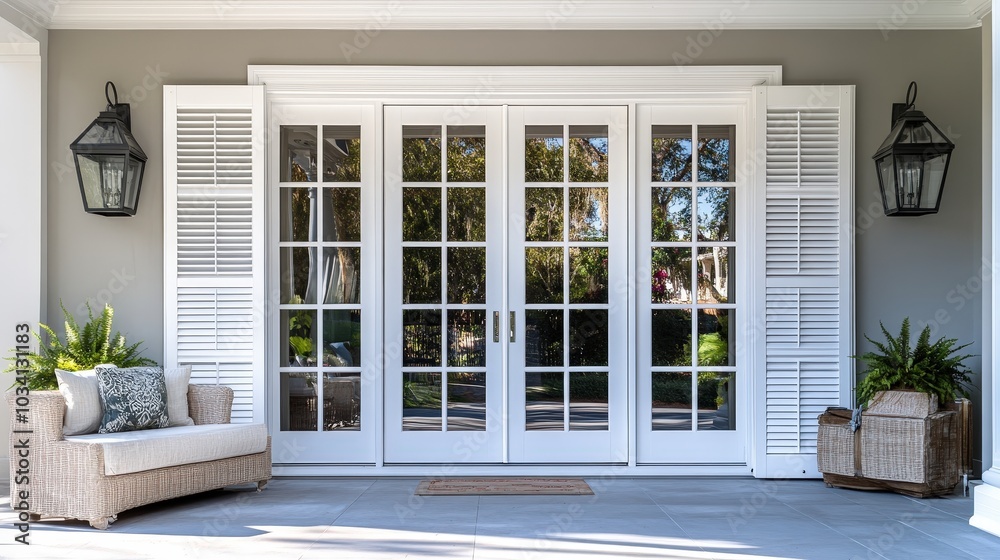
[(911, 438), (84, 348), (934, 369)]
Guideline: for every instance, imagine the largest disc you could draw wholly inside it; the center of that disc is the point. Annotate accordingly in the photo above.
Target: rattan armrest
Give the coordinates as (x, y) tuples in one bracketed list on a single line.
[(210, 404)]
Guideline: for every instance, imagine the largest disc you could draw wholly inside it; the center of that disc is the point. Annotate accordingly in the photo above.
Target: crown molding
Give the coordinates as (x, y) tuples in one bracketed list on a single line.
[(504, 14)]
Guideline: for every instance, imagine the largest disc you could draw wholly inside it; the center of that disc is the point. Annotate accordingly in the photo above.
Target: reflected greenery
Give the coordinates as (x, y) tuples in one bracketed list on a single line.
[(466, 275), (421, 275), (588, 211), (421, 159), (543, 159), (421, 214), (339, 166), (466, 159), (342, 214), (671, 337), (588, 274), (466, 214), (543, 214), (543, 275), (588, 158), (671, 213)]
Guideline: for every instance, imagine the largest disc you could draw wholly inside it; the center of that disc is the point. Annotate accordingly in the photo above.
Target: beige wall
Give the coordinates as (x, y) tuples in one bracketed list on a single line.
[(905, 266)]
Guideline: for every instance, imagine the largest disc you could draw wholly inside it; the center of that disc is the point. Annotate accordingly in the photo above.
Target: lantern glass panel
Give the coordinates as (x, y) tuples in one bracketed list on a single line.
[(886, 174), (921, 133), (919, 180), (134, 176), (103, 177), (102, 132)]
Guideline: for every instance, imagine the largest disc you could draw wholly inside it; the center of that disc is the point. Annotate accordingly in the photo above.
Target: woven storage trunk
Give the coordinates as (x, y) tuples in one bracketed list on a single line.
[(905, 444), (835, 453)]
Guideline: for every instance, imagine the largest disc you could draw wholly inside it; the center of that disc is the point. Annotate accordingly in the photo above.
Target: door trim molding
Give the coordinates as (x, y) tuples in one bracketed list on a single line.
[(476, 85)]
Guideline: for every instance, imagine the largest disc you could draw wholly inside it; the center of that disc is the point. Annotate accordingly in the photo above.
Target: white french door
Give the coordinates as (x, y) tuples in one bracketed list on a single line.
[(443, 284), (567, 218), (690, 335), (513, 342)]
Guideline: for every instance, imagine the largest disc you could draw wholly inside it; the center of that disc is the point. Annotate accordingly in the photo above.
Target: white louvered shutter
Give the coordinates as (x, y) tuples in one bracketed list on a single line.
[(213, 188), (804, 271)]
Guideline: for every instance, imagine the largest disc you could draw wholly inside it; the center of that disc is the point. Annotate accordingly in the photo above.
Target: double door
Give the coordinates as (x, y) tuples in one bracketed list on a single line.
[(506, 285)]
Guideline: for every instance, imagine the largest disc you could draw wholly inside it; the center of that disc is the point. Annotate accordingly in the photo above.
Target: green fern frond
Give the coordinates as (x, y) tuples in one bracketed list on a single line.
[(935, 368)]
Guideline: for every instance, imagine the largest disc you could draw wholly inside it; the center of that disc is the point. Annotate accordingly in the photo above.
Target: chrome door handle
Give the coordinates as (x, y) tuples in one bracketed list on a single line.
[(513, 326), (496, 326)]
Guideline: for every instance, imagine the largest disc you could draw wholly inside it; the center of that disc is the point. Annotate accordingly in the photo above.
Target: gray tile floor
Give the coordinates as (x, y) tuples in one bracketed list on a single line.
[(689, 518)]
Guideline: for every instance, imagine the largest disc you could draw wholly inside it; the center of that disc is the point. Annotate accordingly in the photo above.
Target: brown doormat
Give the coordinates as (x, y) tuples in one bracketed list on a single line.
[(503, 486)]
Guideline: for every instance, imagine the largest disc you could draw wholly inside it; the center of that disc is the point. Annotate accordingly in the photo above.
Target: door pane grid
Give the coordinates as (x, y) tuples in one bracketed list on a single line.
[(455, 168), (319, 247), (579, 235), (691, 217)]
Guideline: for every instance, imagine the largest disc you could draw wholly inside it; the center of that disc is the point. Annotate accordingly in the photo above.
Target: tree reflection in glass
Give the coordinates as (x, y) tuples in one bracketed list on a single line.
[(716, 213), (421, 214), (588, 214), (543, 274), (467, 338), (421, 154), (588, 274), (588, 154), (543, 214), (714, 285), (671, 213), (716, 153), (543, 154), (342, 154), (588, 337), (671, 157), (543, 338), (467, 275), (421, 275), (422, 338), (671, 336), (342, 214), (466, 214), (466, 154)]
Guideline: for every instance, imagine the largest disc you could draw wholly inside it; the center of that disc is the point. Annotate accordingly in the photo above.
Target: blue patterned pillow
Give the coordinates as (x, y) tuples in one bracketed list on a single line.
[(133, 399)]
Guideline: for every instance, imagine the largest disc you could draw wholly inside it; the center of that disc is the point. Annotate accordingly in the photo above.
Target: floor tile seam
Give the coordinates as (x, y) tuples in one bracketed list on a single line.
[(932, 537), (674, 521), (334, 520), (839, 532)]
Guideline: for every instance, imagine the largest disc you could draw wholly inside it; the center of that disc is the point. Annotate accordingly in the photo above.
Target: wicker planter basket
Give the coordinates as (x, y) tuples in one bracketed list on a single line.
[(906, 443)]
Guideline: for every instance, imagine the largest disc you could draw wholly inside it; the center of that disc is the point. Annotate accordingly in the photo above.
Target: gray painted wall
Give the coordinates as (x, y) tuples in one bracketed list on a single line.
[(927, 268)]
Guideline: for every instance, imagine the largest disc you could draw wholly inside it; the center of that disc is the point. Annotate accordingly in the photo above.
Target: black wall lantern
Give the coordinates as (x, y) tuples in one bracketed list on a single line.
[(912, 162), (109, 162)]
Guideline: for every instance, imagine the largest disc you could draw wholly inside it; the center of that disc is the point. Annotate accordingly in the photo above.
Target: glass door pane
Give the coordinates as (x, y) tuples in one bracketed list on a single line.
[(446, 378), (688, 299), (321, 190), (568, 357)]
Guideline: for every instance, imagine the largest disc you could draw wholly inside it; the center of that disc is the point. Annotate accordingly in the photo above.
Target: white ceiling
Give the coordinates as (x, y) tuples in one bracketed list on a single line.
[(710, 15)]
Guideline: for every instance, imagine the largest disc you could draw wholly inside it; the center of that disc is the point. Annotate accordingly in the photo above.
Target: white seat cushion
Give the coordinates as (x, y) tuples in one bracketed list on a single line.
[(143, 450)]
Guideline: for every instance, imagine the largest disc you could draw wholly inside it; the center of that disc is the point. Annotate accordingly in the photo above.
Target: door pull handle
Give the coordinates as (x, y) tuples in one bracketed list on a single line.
[(513, 326), (496, 326)]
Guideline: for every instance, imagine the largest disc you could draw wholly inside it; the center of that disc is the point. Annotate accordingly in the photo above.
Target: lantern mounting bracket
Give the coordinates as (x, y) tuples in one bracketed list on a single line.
[(899, 108), (122, 110)]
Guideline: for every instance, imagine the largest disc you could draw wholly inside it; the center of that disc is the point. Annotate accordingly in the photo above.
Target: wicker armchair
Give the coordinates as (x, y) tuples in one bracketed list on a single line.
[(67, 479)]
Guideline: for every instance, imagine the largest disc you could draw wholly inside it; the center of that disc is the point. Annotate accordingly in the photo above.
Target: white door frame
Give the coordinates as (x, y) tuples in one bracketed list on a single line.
[(473, 86)]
